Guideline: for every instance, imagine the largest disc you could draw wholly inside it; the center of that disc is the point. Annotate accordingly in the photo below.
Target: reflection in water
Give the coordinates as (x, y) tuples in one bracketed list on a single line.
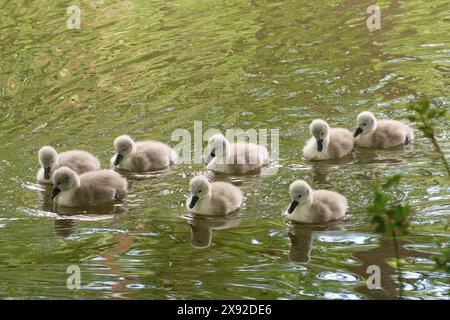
[(369, 156), (137, 176), (301, 236), (45, 197), (380, 256), (202, 227), (64, 227), (122, 243), (321, 169), (98, 210)]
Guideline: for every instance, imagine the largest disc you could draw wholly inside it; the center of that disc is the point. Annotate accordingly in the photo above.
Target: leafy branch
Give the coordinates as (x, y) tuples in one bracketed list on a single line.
[(390, 219), (426, 117), (443, 261)]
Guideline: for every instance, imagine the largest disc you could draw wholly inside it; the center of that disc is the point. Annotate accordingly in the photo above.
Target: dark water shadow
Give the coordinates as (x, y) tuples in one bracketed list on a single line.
[(321, 168), (379, 256), (130, 175), (110, 258), (373, 156), (202, 227), (301, 236)]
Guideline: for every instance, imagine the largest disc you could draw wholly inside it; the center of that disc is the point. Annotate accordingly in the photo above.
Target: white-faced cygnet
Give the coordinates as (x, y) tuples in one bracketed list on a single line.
[(234, 158), (90, 188), (327, 143), (78, 161), (217, 198), (318, 206), (381, 134), (142, 156)]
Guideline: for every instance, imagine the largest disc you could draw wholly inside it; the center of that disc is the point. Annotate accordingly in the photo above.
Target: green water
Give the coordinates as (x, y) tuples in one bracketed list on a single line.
[(147, 68)]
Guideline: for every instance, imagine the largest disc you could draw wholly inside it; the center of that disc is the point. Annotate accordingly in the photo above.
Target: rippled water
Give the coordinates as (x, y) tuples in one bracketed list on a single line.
[(149, 67)]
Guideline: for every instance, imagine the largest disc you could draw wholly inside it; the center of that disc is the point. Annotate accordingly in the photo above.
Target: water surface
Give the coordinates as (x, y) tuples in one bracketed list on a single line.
[(147, 68)]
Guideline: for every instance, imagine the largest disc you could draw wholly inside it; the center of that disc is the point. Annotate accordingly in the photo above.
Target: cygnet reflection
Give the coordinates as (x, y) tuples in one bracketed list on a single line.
[(301, 236), (202, 228)]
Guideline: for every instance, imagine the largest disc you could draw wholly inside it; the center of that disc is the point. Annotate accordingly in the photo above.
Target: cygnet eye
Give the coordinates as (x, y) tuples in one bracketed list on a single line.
[(364, 124), (299, 196), (322, 134), (200, 191)]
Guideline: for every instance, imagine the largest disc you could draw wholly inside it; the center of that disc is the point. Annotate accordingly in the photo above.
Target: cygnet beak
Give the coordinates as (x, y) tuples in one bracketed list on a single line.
[(193, 202), (47, 171), (358, 132), (292, 207), (55, 192), (119, 158)]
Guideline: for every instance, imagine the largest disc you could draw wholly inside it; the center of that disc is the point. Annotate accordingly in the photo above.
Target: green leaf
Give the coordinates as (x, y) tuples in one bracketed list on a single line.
[(394, 180)]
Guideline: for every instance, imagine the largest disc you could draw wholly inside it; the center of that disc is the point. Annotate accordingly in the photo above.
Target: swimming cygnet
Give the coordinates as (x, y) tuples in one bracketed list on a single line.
[(317, 206), (381, 134), (234, 158), (213, 198), (327, 143), (90, 188), (142, 156), (78, 161)]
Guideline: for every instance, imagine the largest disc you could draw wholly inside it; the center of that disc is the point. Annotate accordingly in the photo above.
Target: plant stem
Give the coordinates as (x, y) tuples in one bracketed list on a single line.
[(436, 146), (399, 270), (438, 150)]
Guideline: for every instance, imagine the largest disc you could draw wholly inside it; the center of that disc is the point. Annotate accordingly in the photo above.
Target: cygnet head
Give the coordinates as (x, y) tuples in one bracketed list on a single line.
[(200, 189), (367, 123), (124, 146), (320, 131), (64, 179), (217, 147), (48, 158), (301, 193)]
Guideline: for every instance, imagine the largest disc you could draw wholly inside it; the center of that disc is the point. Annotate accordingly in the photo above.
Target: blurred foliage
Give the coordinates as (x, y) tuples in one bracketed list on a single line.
[(443, 261), (427, 119), (388, 218)]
